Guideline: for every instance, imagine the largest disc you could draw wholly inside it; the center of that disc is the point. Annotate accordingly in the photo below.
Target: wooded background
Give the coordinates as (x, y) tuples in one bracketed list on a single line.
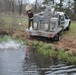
[(17, 7)]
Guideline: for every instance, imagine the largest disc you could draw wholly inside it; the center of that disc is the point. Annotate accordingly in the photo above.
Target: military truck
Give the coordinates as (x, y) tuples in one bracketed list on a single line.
[(50, 24)]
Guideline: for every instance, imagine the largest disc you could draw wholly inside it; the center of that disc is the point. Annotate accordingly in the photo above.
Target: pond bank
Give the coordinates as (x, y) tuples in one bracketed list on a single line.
[(49, 49), (66, 52)]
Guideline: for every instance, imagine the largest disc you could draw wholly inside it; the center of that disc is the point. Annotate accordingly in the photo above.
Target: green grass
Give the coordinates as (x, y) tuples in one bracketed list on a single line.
[(49, 50), (13, 22), (6, 38), (72, 31)]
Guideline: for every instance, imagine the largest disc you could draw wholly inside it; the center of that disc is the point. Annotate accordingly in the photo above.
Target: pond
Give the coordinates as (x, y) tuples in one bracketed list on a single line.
[(23, 60)]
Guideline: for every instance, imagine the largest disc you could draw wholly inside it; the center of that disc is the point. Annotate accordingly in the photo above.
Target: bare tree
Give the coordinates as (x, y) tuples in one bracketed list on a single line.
[(61, 4), (69, 3), (35, 5), (20, 6), (74, 9), (13, 5), (53, 2)]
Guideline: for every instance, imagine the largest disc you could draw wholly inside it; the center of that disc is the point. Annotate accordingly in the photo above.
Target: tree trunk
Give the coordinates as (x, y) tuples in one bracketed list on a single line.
[(61, 4), (20, 6), (53, 2), (69, 2), (74, 9), (35, 6), (5, 7), (12, 7)]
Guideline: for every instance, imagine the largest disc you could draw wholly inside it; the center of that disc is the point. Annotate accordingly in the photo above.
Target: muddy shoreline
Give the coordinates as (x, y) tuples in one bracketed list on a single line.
[(64, 50), (66, 43)]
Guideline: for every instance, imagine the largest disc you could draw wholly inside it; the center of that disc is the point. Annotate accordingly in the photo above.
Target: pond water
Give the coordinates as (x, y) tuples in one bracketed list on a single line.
[(22, 60)]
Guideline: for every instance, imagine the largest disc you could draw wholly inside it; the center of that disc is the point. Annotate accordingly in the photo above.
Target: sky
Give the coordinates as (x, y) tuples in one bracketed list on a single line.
[(33, 1), (30, 1)]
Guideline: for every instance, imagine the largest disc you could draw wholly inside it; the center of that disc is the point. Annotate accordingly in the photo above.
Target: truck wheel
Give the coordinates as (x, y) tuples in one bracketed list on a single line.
[(68, 28), (31, 36), (58, 36)]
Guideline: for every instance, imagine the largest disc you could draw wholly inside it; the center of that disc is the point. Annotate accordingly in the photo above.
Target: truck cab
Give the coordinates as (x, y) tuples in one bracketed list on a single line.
[(67, 20)]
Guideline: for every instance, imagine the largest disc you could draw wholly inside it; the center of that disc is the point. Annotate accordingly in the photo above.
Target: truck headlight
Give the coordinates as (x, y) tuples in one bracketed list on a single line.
[(46, 26), (35, 25)]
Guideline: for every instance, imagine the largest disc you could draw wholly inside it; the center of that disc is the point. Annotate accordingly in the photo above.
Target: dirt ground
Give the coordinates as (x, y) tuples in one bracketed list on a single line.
[(66, 43)]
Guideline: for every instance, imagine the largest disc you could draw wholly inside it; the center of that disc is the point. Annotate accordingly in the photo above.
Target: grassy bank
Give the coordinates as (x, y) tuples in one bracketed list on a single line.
[(72, 31), (46, 49), (9, 23), (49, 50), (6, 38)]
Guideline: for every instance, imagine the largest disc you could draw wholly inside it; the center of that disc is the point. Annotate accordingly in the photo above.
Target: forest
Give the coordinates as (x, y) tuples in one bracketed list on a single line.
[(17, 7)]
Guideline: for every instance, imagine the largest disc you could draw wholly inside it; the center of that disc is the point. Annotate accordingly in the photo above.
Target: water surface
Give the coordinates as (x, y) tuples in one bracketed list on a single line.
[(25, 61)]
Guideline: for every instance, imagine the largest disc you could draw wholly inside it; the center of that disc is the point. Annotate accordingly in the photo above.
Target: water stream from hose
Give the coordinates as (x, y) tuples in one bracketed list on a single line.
[(7, 43)]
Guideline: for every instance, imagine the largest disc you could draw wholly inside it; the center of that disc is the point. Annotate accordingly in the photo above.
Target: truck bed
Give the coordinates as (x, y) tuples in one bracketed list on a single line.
[(49, 34)]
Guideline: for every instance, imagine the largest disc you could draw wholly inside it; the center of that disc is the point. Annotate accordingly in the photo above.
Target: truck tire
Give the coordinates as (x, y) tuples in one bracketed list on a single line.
[(68, 28), (31, 36), (58, 36)]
